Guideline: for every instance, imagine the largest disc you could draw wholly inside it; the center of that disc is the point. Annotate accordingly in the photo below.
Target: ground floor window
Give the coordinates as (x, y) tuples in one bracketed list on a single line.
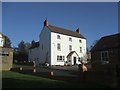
[(79, 59), (104, 57), (63, 58), (60, 58)]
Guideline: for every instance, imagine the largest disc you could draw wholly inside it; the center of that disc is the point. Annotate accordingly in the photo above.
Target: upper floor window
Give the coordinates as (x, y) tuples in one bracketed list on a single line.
[(70, 47), (80, 49), (58, 36), (58, 46), (70, 39), (104, 57), (80, 41)]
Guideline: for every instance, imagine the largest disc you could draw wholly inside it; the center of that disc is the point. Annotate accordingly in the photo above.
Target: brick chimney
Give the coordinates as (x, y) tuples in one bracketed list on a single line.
[(46, 22), (78, 30)]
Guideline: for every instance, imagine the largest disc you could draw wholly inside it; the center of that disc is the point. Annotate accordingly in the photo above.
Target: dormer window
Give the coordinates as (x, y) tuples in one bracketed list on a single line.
[(58, 36), (70, 39)]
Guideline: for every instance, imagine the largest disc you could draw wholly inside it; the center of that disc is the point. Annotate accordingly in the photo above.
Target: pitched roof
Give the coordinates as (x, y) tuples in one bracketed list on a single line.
[(107, 42), (35, 45), (64, 31), (71, 53)]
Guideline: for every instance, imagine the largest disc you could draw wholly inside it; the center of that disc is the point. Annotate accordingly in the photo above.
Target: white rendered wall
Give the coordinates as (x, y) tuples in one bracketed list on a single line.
[(64, 41), (44, 46), (1, 41)]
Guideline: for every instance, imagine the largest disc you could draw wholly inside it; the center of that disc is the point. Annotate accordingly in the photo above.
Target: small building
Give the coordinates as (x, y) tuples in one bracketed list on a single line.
[(106, 50), (105, 57), (6, 55), (59, 46)]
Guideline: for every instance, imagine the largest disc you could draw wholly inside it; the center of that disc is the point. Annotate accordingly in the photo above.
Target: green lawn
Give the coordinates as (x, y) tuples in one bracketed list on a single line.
[(17, 80)]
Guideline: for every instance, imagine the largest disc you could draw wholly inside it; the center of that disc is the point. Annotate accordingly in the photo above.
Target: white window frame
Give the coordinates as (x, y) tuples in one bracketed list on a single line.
[(103, 61)]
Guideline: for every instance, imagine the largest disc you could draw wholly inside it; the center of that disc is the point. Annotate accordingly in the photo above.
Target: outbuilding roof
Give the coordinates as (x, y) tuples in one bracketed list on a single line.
[(107, 42)]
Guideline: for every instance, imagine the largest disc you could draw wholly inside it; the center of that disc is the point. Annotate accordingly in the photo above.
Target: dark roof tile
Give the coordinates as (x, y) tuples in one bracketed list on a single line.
[(64, 31), (107, 42)]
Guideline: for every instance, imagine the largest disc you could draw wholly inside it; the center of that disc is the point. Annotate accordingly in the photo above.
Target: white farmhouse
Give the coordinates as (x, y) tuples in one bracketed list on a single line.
[(59, 46)]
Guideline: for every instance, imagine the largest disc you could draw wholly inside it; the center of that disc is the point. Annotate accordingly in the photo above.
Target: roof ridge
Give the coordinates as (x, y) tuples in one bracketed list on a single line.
[(65, 31), (61, 28), (111, 35)]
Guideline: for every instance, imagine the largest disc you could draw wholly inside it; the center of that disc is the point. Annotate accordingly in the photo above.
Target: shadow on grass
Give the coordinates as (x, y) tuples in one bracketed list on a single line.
[(19, 83), (49, 76), (55, 82)]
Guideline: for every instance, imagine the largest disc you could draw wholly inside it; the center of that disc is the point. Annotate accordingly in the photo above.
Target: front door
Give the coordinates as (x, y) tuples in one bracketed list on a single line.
[(74, 59)]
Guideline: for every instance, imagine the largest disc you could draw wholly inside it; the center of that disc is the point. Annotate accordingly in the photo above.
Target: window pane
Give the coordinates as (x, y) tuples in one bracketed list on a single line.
[(104, 57), (80, 41), (79, 59), (70, 47), (70, 39), (57, 57), (58, 46), (60, 57), (80, 49), (58, 36)]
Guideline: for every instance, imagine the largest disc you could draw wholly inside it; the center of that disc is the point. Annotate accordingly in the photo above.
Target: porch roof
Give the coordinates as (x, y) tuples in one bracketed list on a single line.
[(71, 53)]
